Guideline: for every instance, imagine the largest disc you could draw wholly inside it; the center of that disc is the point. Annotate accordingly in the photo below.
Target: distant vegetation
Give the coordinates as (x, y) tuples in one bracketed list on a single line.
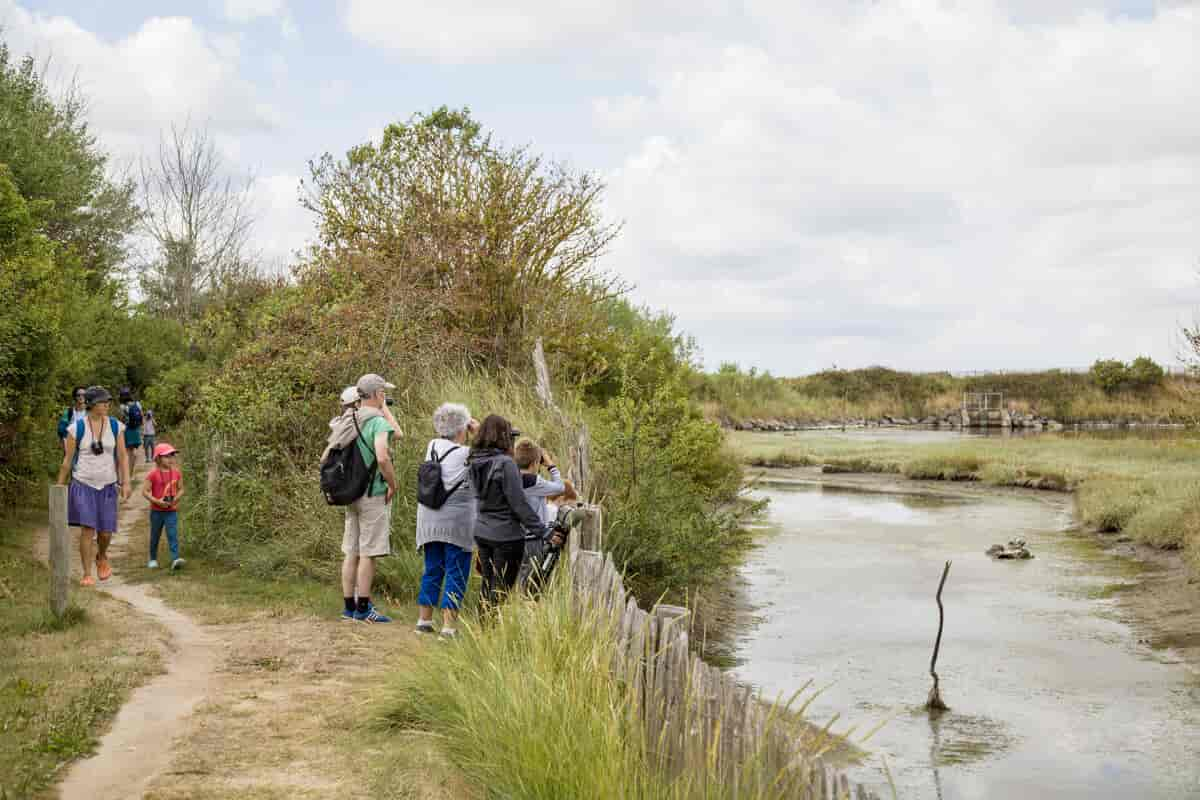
[(1111, 391)]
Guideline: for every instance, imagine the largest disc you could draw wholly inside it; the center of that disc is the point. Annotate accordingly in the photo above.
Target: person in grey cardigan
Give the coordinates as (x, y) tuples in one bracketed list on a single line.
[(445, 534)]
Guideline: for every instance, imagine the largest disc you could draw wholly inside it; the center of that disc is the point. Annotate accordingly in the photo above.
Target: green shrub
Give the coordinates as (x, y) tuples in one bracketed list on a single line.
[(1144, 373)]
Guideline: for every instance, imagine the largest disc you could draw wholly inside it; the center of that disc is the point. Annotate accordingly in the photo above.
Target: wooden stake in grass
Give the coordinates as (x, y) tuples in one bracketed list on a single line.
[(934, 703)]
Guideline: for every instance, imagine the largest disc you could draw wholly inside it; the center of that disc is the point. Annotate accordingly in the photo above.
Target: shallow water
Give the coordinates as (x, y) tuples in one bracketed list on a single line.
[(1051, 694)]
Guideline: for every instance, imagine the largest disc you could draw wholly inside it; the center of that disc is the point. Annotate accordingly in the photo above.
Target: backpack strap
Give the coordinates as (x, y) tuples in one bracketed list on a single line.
[(434, 457), (112, 423)]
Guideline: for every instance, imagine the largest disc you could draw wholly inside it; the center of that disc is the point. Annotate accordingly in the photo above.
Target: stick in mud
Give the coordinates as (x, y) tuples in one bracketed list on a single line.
[(934, 702)]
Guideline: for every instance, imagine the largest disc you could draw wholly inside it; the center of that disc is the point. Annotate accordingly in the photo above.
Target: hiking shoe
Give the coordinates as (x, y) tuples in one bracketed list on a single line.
[(448, 635), (347, 615), (87, 580), (103, 570), (371, 615), (177, 563), (425, 628), (152, 565)]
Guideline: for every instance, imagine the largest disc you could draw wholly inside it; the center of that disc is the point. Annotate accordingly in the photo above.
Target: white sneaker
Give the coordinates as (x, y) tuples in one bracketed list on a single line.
[(177, 563), (152, 565)]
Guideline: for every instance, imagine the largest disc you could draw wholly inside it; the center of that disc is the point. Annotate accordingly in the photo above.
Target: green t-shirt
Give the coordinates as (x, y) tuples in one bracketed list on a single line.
[(366, 446)]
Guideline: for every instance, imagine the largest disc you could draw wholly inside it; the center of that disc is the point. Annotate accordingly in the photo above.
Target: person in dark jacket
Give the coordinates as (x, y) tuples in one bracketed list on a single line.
[(503, 515)]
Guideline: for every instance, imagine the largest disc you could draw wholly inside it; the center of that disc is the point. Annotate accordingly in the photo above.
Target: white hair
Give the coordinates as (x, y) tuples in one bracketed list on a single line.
[(450, 419)]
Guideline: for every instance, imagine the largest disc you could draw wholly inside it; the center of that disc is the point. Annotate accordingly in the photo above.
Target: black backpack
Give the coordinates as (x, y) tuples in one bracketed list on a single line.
[(345, 476), (431, 491)]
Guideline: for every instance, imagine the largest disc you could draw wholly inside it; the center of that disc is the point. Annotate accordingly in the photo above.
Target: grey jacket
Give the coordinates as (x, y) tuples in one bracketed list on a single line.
[(503, 514)]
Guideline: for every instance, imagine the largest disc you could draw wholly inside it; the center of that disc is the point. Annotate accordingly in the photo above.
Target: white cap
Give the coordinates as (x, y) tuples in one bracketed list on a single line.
[(349, 395)]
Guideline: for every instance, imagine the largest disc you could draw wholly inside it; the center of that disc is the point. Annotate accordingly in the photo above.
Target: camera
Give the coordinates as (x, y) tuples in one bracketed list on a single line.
[(390, 401), (168, 498), (97, 447)]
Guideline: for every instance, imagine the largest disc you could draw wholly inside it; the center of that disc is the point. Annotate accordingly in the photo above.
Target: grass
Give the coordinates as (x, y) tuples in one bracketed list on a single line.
[(61, 680), (530, 706), (1147, 488)]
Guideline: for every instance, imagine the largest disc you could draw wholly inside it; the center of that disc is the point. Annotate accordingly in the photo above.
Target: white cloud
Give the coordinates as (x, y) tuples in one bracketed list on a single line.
[(250, 10), (471, 31), (918, 183), (282, 226), (168, 70)]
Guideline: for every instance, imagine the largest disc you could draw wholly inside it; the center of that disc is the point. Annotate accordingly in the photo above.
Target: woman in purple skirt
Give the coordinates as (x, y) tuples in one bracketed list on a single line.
[(98, 465)]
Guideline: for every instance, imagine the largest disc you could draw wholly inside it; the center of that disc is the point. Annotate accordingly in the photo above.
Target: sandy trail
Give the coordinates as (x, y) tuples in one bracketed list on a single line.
[(138, 746)]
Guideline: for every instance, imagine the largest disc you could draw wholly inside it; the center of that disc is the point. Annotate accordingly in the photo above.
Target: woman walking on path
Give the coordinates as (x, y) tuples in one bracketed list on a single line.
[(445, 534), (98, 465)]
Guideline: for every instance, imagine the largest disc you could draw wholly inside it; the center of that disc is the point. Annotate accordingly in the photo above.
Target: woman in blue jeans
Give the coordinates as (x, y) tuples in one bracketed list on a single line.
[(445, 534)]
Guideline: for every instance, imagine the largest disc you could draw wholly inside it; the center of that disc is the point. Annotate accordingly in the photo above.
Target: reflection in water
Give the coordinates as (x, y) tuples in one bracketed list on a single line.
[(1045, 687)]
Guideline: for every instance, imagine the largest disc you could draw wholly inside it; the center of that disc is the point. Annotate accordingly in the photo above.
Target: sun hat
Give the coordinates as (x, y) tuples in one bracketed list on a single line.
[(164, 449), (96, 394), (350, 395), (371, 383)]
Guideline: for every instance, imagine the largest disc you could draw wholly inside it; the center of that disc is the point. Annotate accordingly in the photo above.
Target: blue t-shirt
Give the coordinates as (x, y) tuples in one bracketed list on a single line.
[(366, 446)]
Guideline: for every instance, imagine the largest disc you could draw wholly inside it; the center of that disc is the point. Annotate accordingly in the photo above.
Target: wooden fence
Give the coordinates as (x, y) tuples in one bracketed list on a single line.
[(700, 724)]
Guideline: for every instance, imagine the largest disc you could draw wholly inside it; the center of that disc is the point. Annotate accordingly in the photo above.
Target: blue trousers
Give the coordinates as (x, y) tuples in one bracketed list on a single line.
[(449, 564), (159, 520)]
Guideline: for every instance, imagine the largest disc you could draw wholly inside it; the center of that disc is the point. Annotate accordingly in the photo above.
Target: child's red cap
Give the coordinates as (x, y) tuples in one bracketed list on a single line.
[(164, 449)]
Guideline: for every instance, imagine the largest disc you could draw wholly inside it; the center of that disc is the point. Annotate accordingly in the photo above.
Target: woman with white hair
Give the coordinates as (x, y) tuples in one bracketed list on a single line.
[(445, 534)]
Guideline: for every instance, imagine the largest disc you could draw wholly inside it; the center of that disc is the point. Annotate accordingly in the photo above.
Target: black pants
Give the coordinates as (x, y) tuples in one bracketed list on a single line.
[(500, 561)]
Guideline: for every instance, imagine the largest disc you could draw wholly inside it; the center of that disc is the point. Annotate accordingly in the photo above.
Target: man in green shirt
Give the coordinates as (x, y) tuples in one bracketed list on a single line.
[(367, 534)]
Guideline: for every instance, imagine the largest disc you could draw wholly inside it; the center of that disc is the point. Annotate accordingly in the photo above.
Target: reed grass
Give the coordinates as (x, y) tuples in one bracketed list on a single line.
[(531, 706)]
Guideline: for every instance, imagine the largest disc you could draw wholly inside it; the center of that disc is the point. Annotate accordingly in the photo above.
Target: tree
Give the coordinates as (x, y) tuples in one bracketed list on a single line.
[(63, 175), (500, 241), (199, 219)]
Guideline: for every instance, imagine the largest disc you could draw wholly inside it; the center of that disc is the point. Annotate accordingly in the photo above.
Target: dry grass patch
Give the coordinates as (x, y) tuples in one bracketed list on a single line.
[(61, 682)]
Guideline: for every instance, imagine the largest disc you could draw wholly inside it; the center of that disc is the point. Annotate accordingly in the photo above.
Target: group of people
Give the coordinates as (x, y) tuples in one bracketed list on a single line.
[(495, 508), (99, 450)]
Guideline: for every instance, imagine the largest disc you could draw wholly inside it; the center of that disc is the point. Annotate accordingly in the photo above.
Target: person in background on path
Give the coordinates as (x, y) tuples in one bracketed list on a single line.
[(148, 434), (162, 488), (367, 534), (444, 535), (503, 515), (131, 414), (530, 459), (98, 466), (72, 414)]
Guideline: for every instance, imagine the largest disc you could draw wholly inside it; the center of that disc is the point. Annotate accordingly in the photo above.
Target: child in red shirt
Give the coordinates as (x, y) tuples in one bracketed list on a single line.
[(162, 488)]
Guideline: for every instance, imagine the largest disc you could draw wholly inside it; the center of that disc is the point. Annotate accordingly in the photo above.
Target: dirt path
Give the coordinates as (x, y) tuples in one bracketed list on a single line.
[(269, 706), (137, 747)]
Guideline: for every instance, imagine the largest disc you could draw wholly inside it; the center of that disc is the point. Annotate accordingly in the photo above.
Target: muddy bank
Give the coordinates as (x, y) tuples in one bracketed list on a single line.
[(1161, 598)]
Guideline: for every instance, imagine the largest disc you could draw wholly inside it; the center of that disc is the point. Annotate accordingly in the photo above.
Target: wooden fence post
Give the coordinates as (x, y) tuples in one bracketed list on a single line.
[(60, 551), (213, 485)]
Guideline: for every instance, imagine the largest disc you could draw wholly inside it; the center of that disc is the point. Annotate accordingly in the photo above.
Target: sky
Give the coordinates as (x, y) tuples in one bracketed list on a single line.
[(923, 184)]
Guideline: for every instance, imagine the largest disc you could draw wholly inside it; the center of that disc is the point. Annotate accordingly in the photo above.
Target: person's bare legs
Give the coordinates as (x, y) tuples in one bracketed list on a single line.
[(102, 541), (449, 618), (349, 575), (87, 555), (425, 613), (366, 574)]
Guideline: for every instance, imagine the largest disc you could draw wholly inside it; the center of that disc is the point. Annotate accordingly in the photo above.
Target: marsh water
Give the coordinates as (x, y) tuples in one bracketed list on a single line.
[(1050, 692)]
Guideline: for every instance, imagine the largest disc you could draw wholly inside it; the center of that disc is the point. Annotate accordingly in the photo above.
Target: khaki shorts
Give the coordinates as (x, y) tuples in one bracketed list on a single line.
[(368, 528)]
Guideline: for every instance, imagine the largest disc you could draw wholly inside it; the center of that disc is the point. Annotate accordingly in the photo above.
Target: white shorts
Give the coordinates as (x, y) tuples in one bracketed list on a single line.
[(368, 528)]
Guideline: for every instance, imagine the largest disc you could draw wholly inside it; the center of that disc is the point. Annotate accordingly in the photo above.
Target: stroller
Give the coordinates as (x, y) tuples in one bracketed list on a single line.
[(541, 557)]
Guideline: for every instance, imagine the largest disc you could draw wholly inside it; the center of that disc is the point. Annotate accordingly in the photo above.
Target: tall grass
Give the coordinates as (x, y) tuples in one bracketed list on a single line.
[(531, 707), (1147, 488)]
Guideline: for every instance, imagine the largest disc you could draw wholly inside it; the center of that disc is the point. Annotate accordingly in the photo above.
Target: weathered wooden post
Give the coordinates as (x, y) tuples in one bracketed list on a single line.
[(213, 484), (60, 551)]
